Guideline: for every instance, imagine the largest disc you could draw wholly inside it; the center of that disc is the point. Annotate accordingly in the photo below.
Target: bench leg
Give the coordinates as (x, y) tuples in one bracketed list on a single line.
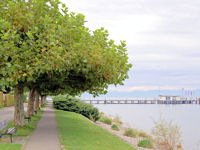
[(11, 138)]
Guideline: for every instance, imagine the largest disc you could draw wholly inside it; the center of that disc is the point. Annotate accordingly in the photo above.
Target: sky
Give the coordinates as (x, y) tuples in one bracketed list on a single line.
[(162, 39)]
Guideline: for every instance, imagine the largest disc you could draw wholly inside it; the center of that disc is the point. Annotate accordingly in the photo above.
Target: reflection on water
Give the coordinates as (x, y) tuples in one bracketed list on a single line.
[(187, 117)]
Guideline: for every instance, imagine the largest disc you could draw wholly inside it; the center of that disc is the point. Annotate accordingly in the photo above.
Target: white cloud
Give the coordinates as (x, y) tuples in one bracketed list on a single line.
[(162, 38), (142, 88)]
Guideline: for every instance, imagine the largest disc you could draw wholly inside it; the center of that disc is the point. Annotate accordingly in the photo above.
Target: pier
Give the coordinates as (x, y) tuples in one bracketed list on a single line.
[(142, 102)]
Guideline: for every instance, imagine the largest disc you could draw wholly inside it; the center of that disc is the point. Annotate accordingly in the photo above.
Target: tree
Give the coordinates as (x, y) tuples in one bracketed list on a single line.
[(51, 50)]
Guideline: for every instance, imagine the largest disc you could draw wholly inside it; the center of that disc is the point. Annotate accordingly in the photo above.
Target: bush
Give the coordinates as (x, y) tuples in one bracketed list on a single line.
[(68, 103), (117, 120), (145, 143), (142, 134), (130, 133), (167, 135), (115, 127), (106, 120)]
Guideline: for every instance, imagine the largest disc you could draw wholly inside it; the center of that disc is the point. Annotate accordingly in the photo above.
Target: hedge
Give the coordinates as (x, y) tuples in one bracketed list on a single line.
[(68, 103)]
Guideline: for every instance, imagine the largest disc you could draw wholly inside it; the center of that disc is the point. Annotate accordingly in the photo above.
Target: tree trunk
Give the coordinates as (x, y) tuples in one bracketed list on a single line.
[(42, 100), (31, 99), (37, 100), (19, 105), (45, 99)]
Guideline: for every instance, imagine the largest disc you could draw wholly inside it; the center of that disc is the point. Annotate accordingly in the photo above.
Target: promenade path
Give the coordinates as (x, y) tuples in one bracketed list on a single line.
[(7, 113), (45, 136)]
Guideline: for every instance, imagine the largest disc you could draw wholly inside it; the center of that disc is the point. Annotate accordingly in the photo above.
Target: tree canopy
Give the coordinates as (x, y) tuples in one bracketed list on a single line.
[(44, 46)]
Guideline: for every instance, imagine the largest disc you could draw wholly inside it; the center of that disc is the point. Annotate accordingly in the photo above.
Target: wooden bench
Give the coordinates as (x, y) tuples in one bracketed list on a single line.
[(8, 131), (27, 117)]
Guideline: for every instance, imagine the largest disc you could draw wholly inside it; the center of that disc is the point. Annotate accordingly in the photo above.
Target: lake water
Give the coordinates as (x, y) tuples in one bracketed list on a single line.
[(187, 117)]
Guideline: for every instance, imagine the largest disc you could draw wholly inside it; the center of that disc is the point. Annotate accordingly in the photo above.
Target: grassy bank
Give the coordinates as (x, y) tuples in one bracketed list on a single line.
[(78, 133), (21, 131)]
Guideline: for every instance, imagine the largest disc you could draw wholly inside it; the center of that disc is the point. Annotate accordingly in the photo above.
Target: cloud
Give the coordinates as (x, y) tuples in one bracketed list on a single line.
[(162, 38), (141, 88)]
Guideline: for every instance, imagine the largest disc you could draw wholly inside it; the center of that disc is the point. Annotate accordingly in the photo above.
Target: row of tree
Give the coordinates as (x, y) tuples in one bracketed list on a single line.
[(45, 48)]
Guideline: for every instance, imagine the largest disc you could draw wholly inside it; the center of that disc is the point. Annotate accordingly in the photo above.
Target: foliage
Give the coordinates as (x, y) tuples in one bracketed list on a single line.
[(6, 89), (145, 143), (130, 132), (49, 48), (115, 127), (167, 134), (77, 133), (73, 104), (106, 120), (45, 47)]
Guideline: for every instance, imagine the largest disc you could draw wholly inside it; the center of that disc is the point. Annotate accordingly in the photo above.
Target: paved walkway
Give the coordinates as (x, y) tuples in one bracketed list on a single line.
[(45, 136)]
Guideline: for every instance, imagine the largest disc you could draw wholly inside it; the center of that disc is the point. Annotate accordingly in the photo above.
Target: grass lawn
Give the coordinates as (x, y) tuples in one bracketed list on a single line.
[(10, 146), (77, 133)]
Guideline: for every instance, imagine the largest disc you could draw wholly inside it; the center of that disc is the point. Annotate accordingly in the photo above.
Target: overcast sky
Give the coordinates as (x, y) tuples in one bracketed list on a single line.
[(163, 39)]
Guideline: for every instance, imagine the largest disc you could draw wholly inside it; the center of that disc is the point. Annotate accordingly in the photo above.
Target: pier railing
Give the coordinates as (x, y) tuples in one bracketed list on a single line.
[(142, 101)]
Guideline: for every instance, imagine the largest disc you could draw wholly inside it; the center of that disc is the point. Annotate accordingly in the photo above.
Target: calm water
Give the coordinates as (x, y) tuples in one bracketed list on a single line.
[(187, 117)]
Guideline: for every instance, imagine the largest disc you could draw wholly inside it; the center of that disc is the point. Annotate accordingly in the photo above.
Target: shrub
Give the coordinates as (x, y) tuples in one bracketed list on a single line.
[(106, 120), (68, 103), (145, 143), (117, 120), (142, 134), (167, 135), (130, 133), (115, 127)]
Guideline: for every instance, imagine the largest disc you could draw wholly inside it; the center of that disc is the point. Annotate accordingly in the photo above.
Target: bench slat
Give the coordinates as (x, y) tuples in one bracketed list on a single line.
[(11, 130)]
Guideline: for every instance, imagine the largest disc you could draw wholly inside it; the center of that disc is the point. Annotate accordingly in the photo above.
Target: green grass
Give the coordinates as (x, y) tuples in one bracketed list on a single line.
[(78, 133), (29, 127), (145, 143), (10, 146)]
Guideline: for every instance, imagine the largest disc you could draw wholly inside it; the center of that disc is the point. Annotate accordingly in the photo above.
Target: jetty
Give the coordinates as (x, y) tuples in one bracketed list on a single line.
[(92, 101)]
